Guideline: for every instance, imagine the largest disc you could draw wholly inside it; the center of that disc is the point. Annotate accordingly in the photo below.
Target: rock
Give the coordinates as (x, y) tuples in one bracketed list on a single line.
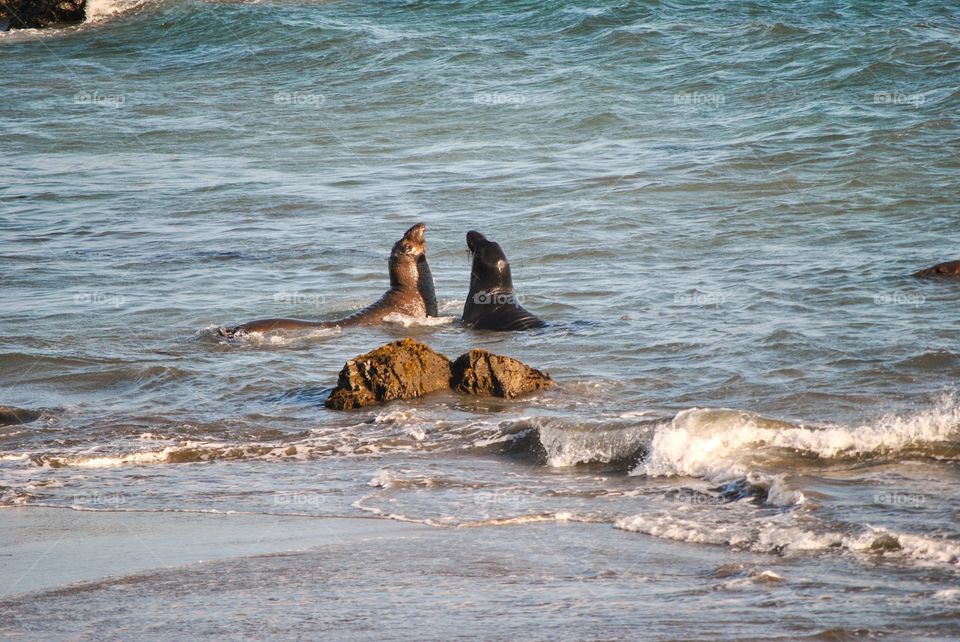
[(948, 269), (37, 14), (479, 372), (408, 369), (10, 415), (399, 370)]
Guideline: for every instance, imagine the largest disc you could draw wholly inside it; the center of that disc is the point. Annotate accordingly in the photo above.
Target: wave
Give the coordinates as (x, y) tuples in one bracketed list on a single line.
[(394, 430), (744, 453), (722, 444), (567, 441), (770, 537)]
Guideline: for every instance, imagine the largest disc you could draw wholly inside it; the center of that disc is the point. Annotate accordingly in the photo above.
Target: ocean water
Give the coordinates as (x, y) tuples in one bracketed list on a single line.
[(716, 206)]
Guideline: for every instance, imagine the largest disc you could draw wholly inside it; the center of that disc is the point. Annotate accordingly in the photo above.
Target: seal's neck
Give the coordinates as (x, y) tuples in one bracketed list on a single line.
[(496, 282), (403, 274)]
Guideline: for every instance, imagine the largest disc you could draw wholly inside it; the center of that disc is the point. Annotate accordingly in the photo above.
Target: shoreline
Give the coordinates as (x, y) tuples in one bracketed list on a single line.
[(162, 576), (46, 548)]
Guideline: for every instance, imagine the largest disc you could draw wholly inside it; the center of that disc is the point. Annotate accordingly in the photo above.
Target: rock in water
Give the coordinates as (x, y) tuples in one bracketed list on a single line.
[(37, 14), (10, 415), (399, 370), (479, 372)]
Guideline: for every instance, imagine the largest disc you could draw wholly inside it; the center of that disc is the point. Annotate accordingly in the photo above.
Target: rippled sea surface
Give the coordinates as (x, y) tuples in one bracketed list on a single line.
[(716, 206)]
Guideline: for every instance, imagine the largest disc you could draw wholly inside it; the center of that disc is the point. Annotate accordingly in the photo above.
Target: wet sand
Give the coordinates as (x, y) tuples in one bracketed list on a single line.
[(49, 548), (171, 576)]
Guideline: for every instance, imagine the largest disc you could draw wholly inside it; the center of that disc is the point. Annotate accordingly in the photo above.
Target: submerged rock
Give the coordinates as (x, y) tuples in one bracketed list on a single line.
[(37, 14), (479, 372), (948, 269), (400, 370), (10, 415)]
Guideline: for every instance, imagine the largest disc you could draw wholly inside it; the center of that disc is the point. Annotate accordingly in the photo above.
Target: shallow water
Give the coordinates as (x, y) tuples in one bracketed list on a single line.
[(716, 207)]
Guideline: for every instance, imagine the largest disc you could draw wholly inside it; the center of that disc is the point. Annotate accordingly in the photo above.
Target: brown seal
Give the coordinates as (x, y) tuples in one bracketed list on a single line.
[(491, 303), (411, 292), (949, 269)]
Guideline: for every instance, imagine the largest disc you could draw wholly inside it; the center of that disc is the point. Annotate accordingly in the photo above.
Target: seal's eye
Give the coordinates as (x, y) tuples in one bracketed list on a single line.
[(406, 248)]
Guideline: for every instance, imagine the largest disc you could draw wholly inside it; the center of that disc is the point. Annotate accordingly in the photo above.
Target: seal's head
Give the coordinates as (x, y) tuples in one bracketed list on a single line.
[(407, 256), (491, 269)]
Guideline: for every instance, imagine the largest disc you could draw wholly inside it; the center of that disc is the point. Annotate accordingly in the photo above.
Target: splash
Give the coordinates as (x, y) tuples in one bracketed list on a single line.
[(406, 321), (783, 538), (100, 10), (721, 444)]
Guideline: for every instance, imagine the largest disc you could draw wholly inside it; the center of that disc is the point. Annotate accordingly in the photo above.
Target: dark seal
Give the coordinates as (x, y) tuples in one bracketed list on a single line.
[(491, 303), (411, 292), (950, 269)]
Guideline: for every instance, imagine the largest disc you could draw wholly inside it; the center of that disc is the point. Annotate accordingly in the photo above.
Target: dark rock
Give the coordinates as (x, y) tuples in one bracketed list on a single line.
[(37, 14), (399, 370), (948, 269), (479, 372), (10, 415), (885, 542)]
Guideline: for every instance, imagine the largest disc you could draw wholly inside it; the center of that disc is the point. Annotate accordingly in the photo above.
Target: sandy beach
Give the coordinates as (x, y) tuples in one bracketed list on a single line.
[(46, 549), (167, 576)]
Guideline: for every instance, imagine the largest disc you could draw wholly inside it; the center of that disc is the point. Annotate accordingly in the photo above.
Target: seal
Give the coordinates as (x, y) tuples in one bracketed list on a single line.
[(411, 292), (491, 303), (950, 269)]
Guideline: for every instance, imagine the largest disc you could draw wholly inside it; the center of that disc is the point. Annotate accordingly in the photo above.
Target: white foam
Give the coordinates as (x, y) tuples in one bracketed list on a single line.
[(763, 577), (721, 444), (561, 517), (110, 461), (684, 530), (399, 416), (396, 318), (98, 10), (417, 433), (776, 536), (454, 306), (779, 492), (383, 479), (288, 337)]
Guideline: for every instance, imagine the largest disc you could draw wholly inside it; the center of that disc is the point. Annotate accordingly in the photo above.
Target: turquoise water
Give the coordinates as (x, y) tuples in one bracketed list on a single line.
[(716, 207)]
